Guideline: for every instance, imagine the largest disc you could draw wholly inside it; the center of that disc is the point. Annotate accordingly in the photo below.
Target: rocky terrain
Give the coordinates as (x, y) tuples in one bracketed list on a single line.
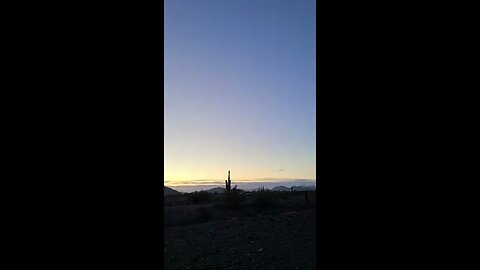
[(284, 240)]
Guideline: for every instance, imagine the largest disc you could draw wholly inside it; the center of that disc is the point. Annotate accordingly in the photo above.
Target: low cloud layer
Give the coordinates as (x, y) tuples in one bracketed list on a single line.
[(242, 184)]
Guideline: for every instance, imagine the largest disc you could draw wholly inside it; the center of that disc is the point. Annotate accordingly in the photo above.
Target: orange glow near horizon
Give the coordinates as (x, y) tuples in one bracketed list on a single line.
[(188, 178)]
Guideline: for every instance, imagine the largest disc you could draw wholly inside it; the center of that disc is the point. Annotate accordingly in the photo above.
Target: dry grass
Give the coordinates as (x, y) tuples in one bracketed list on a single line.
[(198, 208)]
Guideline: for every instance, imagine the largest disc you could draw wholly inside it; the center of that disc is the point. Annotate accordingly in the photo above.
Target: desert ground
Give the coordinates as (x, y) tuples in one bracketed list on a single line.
[(262, 230)]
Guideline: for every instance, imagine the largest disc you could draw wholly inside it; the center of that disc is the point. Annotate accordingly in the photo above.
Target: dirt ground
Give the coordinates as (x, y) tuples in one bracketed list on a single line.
[(284, 240)]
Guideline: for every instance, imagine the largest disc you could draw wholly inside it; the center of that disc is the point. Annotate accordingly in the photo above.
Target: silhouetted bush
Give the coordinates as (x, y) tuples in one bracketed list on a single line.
[(264, 199), (205, 214), (199, 197), (234, 199)]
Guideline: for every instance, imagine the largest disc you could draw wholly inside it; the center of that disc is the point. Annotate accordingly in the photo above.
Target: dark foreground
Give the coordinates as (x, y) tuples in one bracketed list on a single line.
[(277, 241)]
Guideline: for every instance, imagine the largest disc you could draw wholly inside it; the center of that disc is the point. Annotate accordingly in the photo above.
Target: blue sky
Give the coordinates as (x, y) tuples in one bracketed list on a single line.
[(239, 89)]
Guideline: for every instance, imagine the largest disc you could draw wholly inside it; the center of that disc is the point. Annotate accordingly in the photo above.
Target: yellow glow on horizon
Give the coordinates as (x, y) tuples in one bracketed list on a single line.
[(220, 182), (212, 171), (235, 174)]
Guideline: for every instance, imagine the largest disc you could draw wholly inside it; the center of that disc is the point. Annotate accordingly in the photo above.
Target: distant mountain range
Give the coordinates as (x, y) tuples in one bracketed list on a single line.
[(278, 188), (304, 188), (169, 191), (220, 190), (216, 190), (295, 188), (281, 188)]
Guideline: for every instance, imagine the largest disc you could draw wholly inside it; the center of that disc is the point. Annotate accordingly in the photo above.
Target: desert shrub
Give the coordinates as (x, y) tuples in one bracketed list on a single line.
[(234, 200), (265, 199), (199, 197), (204, 214)]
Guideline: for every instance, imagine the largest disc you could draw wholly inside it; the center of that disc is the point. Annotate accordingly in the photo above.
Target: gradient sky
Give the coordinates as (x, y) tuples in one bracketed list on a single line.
[(239, 90)]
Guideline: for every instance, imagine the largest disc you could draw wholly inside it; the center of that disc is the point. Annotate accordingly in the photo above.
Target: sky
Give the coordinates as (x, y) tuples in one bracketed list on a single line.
[(239, 91)]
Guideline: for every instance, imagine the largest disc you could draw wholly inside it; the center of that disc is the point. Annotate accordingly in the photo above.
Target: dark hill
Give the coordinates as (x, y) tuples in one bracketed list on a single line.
[(170, 192)]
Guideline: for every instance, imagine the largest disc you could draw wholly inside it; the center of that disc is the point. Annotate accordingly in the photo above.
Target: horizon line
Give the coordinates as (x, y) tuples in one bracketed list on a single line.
[(250, 179), (202, 182)]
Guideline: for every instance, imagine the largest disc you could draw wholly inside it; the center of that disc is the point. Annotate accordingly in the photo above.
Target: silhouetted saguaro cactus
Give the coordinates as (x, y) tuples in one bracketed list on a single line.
[(228, 185)]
